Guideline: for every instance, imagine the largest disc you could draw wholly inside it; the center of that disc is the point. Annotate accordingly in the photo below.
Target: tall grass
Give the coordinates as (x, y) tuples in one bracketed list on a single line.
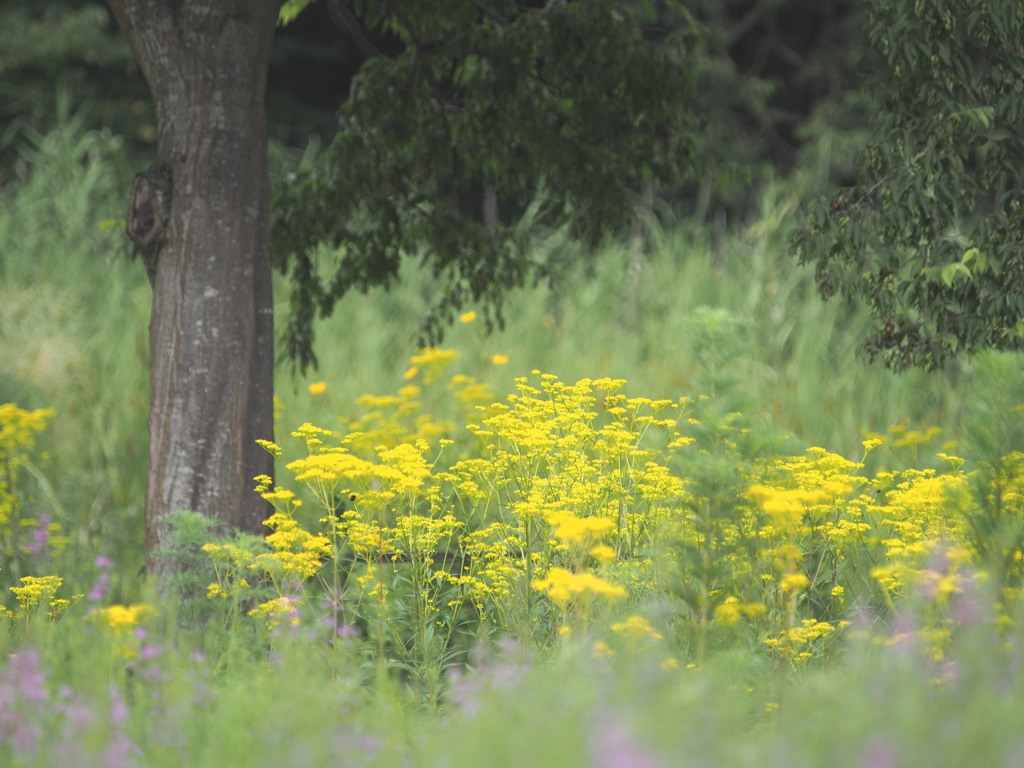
[(73, 323), (675, 315)]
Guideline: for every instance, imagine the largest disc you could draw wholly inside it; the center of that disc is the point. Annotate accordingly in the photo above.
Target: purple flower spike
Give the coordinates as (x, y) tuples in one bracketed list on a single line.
[(347, 630), (25, 676), (40, 536), (614, 746)]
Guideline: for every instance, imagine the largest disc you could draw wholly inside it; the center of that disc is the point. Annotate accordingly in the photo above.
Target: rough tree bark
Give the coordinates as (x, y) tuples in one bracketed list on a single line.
[(200, 218)]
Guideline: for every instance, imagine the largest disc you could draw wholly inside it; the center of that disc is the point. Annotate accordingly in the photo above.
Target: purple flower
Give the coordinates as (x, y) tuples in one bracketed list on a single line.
[(354, 745), (903, 636), (966, 610), (879, 754), (99, 588), (77, 714), (118, 709), (25, 675), (465, 691), (120, 751), (40, 536), (23, 681), (613, 745), (347, 630)]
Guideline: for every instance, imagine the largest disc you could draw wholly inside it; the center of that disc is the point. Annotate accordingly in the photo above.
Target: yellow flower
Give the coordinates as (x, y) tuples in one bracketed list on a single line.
[(872, 442), (910, 438), (317, 388), (601, 650), (467, 317), (36, 590), (731, 610), (636, 628), (562, 586), (270, 447), (793, 582), (309, 432), (499, 359), (278, 611), (728, 612), (433, 361), (279, 494), (568, 527), (786, 506), (888, 576), (121, 618)]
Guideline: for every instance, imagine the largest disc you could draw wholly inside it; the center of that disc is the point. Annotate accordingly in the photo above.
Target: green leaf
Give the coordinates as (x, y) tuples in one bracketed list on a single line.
[(950, 271), (981, 262), (290, 11)]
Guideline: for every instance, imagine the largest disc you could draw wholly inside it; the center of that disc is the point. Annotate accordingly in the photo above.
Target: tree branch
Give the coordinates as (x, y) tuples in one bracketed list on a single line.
[(347, 23)]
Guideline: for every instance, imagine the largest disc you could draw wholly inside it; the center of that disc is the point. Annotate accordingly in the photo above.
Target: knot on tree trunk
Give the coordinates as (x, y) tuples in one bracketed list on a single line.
[(148, 212)]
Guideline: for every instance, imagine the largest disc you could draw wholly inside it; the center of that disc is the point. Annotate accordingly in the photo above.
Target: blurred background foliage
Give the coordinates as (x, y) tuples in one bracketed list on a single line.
[(776, 79)]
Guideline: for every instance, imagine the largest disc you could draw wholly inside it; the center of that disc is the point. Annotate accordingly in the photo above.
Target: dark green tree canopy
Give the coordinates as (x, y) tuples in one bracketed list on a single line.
[(487, 109), (932, 238)]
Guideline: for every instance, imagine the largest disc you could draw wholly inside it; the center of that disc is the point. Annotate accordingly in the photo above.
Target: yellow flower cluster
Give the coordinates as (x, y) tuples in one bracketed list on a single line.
[(279, 611), (39, 593), (431, 362), (731, 610), (297, 554), (234, 566), (569, 528), (19, 430), (576, 496), (798, 643), (564, 586), (572, 477), (122, 618), (636, 628), (119, 624)]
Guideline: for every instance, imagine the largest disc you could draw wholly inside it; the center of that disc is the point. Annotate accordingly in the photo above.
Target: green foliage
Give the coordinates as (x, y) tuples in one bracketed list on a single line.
[(564, 108), (775, 78), (191, 534), (290, 10), (73, 334), (30, 541), (995, 436), (70, 46), (930, 238)]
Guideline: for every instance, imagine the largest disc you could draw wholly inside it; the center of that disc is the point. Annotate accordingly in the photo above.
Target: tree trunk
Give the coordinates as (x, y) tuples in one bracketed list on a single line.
[(200, 217)]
